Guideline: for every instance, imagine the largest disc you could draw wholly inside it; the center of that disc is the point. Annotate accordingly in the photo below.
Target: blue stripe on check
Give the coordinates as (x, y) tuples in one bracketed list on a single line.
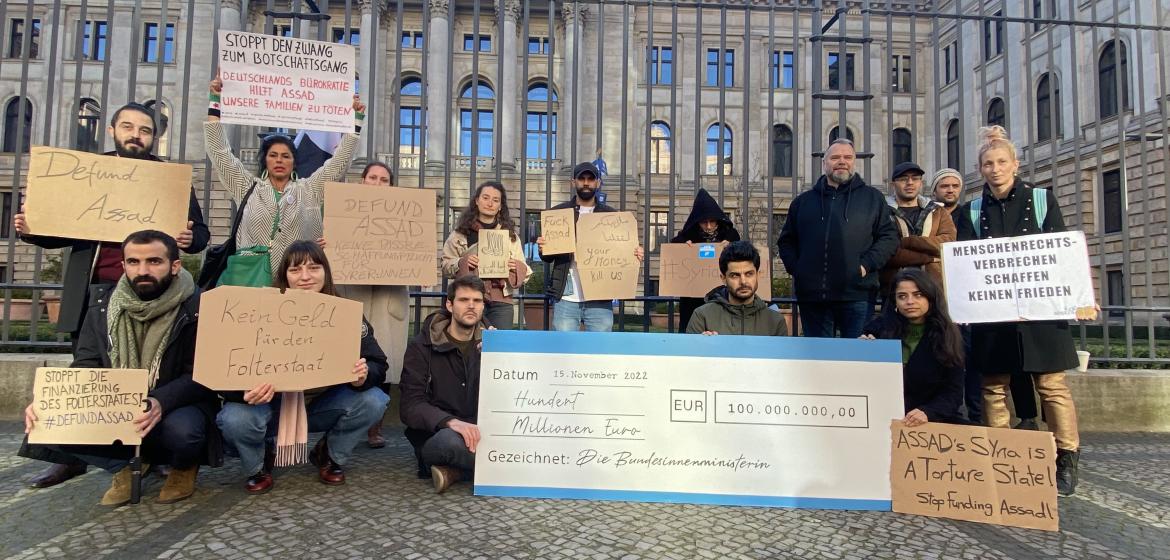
[(723, 346), (680, 498)]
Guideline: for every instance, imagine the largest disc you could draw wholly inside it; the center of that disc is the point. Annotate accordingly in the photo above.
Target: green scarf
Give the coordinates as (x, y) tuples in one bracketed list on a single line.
[(911, 339), (139, 329)]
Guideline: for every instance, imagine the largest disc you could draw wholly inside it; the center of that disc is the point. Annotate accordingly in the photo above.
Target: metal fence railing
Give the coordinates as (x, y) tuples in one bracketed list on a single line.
[(738, 97)]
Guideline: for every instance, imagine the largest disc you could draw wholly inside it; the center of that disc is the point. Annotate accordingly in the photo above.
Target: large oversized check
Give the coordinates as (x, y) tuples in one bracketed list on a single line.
[(740, 420)]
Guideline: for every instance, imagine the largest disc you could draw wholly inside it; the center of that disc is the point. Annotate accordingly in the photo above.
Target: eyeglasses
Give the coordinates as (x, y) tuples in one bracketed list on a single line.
[(907, 179)]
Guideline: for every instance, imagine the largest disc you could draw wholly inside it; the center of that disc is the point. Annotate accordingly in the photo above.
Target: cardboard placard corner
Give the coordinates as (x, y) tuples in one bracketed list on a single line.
[(559, 232), (87, 406)]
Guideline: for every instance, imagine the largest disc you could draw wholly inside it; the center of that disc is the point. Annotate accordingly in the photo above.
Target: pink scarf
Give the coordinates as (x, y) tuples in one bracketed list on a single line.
[(292, 430)]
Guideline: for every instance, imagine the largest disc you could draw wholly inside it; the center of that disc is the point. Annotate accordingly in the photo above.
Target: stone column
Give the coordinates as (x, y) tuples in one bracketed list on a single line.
[(365, 55), (229, 15), (437, 89), (569, 129), (510, 86)]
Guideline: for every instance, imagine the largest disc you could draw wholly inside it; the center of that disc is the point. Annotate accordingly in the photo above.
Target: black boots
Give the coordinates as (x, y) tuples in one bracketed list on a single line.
[(1066, 471)]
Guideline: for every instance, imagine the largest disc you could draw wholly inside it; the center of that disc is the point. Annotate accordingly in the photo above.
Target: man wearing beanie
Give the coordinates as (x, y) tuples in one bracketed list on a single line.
[(947, 188)]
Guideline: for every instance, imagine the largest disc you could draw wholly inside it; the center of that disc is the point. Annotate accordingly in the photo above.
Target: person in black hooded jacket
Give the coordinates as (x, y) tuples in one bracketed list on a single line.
[(837, 237), (707, 223)]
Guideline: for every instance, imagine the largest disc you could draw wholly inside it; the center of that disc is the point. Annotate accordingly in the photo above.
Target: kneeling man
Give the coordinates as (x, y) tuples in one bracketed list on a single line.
[(148, 322), (440, 385), (734, 308)]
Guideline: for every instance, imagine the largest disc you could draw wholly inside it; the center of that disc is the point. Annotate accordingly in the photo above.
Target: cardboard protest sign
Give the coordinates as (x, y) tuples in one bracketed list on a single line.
[(559, 232), (693, 270), (381, 235), (605, 255), (1028, 278), (494, 249), (987, 475), (285, 82), (80, 195), (296, 340), (87, 406)]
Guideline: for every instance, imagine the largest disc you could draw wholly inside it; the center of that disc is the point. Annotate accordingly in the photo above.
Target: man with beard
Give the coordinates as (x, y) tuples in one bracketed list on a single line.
[(946, 188), (571, 309), (148, 322), (734, 308), (837, 237), (94, 267), (440, 385), (923, 226)]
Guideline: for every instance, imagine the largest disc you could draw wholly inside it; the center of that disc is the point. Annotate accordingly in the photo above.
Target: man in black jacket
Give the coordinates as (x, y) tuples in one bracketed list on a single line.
[(148, 322), (440, 385), (837, 237), (571, 309), (94, 267)]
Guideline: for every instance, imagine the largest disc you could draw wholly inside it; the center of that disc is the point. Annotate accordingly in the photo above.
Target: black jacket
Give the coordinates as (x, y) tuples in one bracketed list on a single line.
[(1031, 346), (375, 361), (830, 233), (83, 254), (438, 382), (175, 387), (705, 208), (927, 385), (554, 286)]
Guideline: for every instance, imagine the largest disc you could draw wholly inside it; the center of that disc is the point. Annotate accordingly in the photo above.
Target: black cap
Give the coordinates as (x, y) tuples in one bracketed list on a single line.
[(586, 167), (904, 168)]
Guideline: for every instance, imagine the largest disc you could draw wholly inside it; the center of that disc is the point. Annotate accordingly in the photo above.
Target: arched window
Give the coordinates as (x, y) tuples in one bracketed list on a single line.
[(659, 147), (953, 145), (718, 157), (1107, 78), (835, 134), (410, 136), (1047, 108), (541, 124), (781, 151), (995, 113), (162, 133), (477, 122), (13, 120), (903, 144), (89, 125)]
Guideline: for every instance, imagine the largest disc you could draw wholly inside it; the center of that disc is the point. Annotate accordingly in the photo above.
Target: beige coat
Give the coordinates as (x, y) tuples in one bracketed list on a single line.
[(456, 248)]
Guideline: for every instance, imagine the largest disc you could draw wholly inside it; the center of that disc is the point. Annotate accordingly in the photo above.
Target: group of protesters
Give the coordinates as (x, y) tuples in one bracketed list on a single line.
[(848, 248)]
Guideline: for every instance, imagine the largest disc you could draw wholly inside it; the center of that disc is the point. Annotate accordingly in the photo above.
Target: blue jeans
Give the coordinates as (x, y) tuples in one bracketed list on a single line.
[(597, 315), (447, 449), (829, 319), (342, 412)]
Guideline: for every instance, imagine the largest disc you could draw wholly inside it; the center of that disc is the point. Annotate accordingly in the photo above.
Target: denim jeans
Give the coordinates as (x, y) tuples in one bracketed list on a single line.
[(597, 315), (447, 449), (177, 440), (843, 319), (500, 315), (342, 412)]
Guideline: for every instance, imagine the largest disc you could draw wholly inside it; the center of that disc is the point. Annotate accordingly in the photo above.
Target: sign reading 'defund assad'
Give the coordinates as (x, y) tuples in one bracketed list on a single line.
[(1028, 278), (736, 420), (285, 82), (988, 475), (88, 406), (80, 195), (381, 235), (295, 340)]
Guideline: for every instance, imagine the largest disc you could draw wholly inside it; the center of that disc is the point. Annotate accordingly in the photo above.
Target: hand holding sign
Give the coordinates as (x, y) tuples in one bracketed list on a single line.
[(558, 232), (494, 250), (88, 406)]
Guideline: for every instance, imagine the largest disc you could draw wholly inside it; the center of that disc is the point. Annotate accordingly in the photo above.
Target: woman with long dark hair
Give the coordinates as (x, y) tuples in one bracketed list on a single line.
[(932, 348), (487, 209), (344, 412)]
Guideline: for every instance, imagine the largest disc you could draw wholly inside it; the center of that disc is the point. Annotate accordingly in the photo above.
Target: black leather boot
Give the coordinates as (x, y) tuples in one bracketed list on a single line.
[(1066, 471)]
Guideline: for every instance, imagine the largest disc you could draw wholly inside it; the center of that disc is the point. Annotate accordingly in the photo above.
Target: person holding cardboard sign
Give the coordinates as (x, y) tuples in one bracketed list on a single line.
[(1008, 207), (149, 322), (571, 309), (252, 419), (487, 210), (932, 348), (94, 267), (280, 207), (707, 223)]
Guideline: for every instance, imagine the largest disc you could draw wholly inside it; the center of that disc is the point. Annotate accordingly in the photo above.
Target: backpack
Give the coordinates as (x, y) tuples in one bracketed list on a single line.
[(1039, 208)]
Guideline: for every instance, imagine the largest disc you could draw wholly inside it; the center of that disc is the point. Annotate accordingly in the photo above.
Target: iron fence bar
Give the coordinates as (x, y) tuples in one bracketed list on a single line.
[(700, 152), (721, 79), (475, 81), (1098, 175), (648, 198), (1138, 99), (1162, 108), (625, 125), (672, 143), (1123, 170)]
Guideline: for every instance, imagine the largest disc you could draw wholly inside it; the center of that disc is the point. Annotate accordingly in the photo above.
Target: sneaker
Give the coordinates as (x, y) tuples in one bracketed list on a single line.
[(1067, 465), (1027, 424), (444, 477), (179, 486)]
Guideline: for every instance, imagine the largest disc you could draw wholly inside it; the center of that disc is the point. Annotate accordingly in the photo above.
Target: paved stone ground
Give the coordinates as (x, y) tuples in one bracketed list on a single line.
[(1121, 510)]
